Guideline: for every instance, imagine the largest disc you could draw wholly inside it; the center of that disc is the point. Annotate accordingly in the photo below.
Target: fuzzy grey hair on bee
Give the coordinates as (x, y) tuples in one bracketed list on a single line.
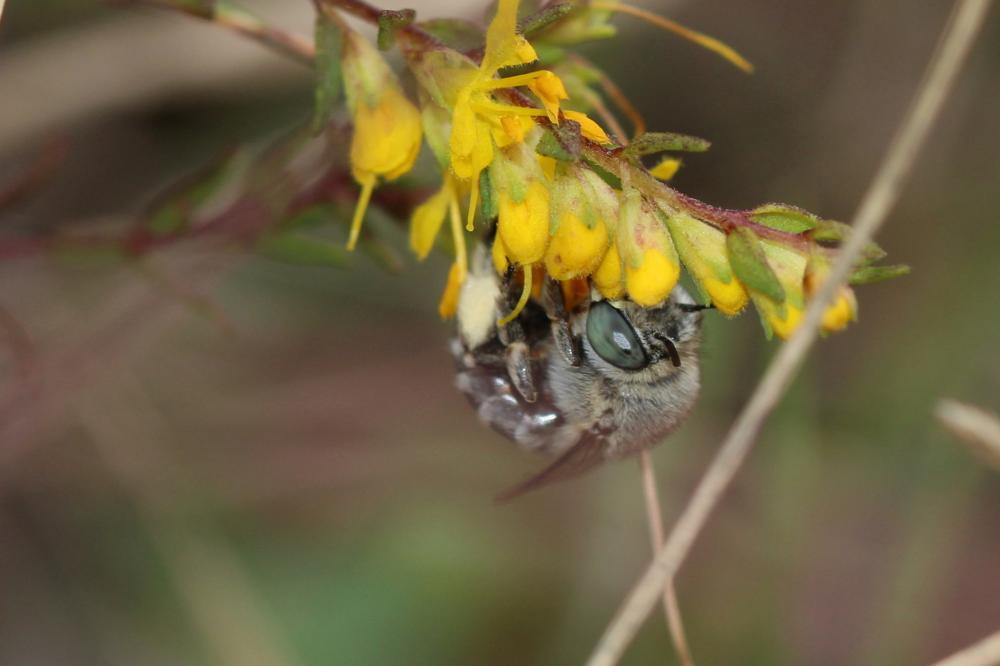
[(598, 383)]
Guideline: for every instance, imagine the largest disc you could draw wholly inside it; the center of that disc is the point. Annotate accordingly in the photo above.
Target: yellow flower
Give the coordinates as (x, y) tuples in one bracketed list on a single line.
[(844, 308), (783, 319), (666, 169), (789, 267), (608, 276), (550, 90), (523, 225), (426, 223), (588, 127), (585, 215), (843, 311), (651, 264), (652, 277), (387, 126), (702, 248), (576, 249), (449, 299)]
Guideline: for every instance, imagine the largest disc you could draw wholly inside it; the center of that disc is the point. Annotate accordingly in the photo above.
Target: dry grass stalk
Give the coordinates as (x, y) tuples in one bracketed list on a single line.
[(975, 427)]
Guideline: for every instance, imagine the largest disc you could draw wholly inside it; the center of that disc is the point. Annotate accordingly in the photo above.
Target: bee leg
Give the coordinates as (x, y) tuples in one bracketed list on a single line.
[(516, 350), (555, 308)]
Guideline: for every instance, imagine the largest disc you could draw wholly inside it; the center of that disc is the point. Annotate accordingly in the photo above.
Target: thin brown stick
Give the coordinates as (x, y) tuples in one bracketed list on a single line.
[(885, 189), (244, 23), (984, 653), (975, 427), (672, 610)]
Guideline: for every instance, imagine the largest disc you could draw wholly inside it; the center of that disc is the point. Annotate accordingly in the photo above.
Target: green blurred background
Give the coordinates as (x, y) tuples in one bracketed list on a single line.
[(301, 484)]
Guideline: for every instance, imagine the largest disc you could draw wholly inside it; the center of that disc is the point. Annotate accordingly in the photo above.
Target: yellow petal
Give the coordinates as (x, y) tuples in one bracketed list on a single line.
[(524, 226), (702, 248), (471, 144), (588, 127), (843, 311), (666, 169), (449, 298), (784, 320), (575, 249), (550, 90), (426, 222), (650, 282), (608, 276), (386, 139), (503, 44)]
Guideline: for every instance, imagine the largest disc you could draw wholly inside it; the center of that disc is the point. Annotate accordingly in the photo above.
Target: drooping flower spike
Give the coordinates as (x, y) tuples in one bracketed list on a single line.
[(514, 136)]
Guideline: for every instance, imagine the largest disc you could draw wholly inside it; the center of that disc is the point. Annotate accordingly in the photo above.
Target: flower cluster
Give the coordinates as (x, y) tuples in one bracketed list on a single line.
[(518, 150)]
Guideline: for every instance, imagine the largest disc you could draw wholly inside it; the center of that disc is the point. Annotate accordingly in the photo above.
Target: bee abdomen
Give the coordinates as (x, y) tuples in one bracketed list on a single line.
[(484, 380)]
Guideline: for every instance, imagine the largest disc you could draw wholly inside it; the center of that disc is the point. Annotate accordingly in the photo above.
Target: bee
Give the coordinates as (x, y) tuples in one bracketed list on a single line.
[(598, 382)]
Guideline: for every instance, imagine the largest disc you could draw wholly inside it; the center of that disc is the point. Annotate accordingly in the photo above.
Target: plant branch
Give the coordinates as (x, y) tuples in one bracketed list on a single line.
[(242, 22), (672, 610), (885, 189)]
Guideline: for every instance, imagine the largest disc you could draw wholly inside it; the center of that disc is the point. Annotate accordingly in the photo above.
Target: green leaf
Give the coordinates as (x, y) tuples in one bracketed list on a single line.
[(832, 234), (784, 218), (329, 81), (301, 250), (659, 142), (389, 21), (455, 33), (561, 142), (872, 274), (611, 179), (544, 18), (746, 255), (487, 202)]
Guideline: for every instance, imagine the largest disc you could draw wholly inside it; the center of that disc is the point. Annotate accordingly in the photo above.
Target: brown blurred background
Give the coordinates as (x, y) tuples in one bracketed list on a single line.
[(292, 479)]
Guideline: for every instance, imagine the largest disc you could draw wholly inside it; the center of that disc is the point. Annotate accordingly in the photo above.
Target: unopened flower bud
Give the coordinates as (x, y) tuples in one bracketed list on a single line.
[(702, 248), (608, 277), (650, 259)]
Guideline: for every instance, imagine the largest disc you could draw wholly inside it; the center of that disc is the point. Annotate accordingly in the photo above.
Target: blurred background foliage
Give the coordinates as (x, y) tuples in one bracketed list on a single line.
[(224, 459)]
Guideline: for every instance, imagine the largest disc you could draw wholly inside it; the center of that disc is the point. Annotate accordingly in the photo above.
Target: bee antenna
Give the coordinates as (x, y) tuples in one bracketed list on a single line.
[(695, 307)]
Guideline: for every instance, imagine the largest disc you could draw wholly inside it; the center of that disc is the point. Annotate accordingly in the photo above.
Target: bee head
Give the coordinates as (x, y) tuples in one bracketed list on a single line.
[(632, 344)]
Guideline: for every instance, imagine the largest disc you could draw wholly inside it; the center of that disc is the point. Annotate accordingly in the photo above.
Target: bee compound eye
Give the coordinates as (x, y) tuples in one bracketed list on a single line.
[(613, 338)]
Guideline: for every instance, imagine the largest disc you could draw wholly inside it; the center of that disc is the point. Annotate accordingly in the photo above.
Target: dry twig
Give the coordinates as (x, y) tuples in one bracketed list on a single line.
[(672, 610), (882, 194), (973, 426)]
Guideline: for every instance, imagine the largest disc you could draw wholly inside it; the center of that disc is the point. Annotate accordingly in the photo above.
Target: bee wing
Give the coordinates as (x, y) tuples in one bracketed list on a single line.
[(581, 457)]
